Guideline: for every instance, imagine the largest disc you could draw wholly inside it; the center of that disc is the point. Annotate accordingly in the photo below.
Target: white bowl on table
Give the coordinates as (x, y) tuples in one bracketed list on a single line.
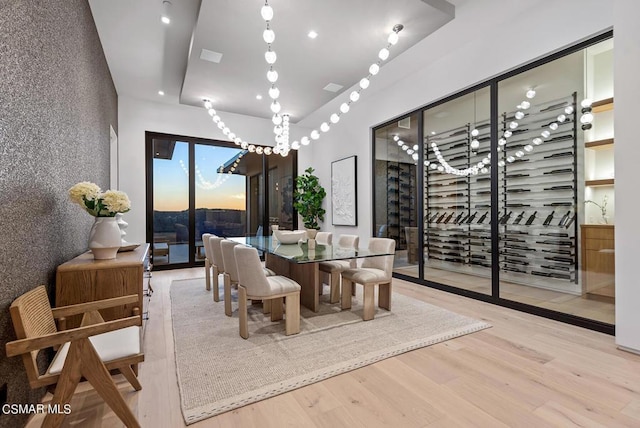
[(289, 236)]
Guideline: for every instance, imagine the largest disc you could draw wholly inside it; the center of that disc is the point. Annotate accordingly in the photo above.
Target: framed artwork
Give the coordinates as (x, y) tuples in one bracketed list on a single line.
[(344, 196)]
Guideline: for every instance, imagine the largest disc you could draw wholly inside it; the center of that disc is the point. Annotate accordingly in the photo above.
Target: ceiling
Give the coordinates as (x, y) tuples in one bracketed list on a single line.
[(146, 56)]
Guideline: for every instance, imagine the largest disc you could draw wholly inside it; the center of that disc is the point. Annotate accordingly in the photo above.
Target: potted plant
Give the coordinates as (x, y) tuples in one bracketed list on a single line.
[(308, 197)]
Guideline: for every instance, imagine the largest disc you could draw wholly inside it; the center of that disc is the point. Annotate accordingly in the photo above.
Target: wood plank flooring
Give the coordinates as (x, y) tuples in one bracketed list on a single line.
[(524, 371)]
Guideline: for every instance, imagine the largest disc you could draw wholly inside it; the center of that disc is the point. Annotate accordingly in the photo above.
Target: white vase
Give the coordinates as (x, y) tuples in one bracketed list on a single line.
[(104, 238), (122, 225)]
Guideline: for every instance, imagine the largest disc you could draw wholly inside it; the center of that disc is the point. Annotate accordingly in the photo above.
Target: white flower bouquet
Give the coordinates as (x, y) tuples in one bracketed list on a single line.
[(97, 203)]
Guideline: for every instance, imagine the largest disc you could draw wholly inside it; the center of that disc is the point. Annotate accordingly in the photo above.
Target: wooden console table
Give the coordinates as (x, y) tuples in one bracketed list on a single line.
[(598, 262), (84, 279)]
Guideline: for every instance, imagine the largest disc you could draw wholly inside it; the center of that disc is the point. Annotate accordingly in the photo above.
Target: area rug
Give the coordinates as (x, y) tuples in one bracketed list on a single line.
[(219, 371)]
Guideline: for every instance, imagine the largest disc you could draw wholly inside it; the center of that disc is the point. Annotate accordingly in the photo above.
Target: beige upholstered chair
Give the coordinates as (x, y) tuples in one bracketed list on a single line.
[(217, 264), (374, 271), (335, 267), (324, 238), (88, 351), (207, 260), (231, 272), (254, 284)]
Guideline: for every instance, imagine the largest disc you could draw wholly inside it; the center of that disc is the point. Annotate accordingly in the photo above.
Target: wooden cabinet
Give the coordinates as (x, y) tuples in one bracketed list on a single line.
[(598, 261), (84, 279)]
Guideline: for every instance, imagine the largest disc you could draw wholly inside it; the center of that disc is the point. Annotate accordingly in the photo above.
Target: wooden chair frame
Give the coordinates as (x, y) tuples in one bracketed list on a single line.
[(35, 329)]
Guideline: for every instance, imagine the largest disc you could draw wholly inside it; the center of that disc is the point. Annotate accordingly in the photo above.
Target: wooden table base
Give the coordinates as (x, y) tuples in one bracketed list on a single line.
[(305, 274)]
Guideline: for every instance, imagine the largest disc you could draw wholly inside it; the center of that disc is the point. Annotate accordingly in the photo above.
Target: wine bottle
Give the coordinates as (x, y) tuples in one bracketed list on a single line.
[(472, 217), (505, 218), (432, 219), (449, 218), (482, 219), (457, 220), (519, 218), (549, 218), (531, 218), (441, 218), (465, 218), (571, 220), (564, 218)]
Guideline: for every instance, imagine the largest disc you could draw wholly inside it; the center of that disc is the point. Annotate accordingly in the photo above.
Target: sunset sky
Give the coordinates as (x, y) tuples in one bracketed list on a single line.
[(213, 190)]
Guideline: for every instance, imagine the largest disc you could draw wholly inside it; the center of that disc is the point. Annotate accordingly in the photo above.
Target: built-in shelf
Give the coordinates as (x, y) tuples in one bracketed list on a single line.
[(599, 144), (602, 105), (603, 182)]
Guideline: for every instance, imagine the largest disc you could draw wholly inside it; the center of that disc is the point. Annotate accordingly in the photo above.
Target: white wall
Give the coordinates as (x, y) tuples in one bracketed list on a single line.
[(478, 45), (627, 152), (135, 117)]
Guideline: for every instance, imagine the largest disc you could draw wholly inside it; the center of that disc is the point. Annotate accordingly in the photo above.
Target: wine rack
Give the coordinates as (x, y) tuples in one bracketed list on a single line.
[(537, 219), (401, 200)]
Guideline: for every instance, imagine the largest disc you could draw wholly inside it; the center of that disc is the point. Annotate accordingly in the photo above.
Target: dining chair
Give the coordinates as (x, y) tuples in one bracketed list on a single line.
[(324, 238), (89, 351), (334, 268), (254, 284), (207, 260), (217, 264), (374, 271), (231, 272)]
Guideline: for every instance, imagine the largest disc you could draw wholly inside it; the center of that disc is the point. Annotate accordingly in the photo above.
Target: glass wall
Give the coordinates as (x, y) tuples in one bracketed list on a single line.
[(517, 202), (396, 199)]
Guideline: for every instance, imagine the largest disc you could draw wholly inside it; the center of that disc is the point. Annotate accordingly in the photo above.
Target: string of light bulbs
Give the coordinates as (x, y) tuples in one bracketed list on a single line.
[(281, 121), (205, 184)]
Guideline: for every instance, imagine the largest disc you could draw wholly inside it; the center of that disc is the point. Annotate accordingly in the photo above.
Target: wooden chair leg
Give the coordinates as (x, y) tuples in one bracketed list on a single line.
[(346, 294), (97, 374), (369, 309), (242, 312), (276, 309), (67, 383), (227, 295), (216, 285), (384, 296), (292, 320), (334, 283), (127, 372), (266, 306), (207, 274)]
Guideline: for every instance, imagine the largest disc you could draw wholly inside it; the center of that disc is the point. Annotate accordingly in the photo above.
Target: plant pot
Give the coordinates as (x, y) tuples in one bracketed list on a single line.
[(104, 238), (311, 233)]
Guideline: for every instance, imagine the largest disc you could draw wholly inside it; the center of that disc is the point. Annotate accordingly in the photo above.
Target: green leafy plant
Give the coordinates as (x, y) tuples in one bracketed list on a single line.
[(308, 198)]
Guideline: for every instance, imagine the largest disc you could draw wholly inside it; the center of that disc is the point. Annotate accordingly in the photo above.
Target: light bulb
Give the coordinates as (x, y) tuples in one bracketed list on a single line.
[(475, 144), (410, 151), (426, 163), (277, 129), (393, 38), (528, 148), (276, 119), (400, 143), (325, 127), (519, 153), (270, 57), (220, 125), (244, 145), (269, 36), (433, 166), (383, 54), (414, 156), (530, 93), (305, 141), (267, 151), (586, 103), (276, 150), (510, 159), (315, 134), (251, 148), (553, 126), (344, 107), (364, 83), (211, 112), (525, 105), (484, 170), (259, 150), (266, 12), (545, 133), (500, 163), (295, 145), (415, 147), (207, 104), (396, 138), (519, 115), (275, 107), (216, 118), (475, 133), (537, 141), (440, 168), (374, 69), (226, 131), (513, 125), (354, 96), (272, 76), (586, 118), (502, 141), (486, 161), (274, 93), (405, 147), (334, 118), (568, 109), (561, 118), (232, 136), (165, 19), (507, 134)]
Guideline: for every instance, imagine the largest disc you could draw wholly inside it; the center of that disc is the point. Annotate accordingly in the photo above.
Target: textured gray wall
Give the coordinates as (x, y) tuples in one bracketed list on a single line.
[(57, 100)]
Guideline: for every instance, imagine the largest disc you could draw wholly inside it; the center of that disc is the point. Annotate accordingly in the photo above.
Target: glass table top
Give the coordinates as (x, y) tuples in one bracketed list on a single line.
[(300, 252)]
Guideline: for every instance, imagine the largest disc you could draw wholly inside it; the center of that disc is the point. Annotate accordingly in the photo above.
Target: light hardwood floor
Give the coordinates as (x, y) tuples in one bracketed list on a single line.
[(524, 371)]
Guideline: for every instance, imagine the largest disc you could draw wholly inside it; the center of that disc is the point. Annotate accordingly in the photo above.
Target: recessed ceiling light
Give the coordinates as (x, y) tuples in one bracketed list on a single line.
[(160, 92), (258, 97), (165, 17), (165, 20), (312, 34), (333, 87)]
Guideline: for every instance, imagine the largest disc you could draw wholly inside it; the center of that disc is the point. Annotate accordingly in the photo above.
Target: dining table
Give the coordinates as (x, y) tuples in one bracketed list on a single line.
[(301, 263)]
